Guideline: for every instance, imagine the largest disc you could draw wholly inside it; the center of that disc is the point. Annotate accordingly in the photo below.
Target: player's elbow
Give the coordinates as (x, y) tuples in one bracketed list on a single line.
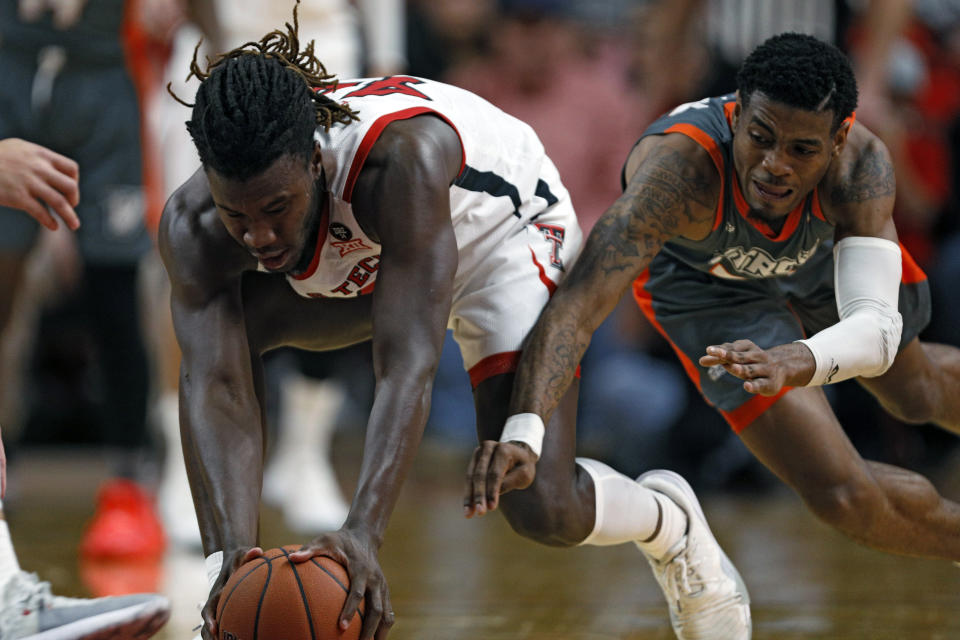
[(882, 326)]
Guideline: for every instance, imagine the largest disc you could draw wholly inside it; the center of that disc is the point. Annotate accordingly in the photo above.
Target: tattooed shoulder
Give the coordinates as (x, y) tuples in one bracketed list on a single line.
[(869, 176)]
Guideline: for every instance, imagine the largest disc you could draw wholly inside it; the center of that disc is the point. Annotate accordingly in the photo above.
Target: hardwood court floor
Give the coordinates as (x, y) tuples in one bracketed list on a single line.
[(453, 579)]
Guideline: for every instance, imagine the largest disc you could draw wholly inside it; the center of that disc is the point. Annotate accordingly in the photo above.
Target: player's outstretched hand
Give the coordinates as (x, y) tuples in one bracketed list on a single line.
[(356, 551), (495, 469), (32, 176), (231, 562), (764, 371)]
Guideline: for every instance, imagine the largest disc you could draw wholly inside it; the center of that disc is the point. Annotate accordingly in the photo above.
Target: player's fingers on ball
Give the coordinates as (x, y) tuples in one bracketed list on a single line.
[(350, 605)]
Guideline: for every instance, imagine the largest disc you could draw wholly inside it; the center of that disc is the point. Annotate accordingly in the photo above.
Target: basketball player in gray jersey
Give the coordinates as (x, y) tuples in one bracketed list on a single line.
[(747, 224)]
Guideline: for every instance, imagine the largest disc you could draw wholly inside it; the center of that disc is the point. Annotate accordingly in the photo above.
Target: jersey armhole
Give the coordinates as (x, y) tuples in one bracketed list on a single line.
[(704, 139), (373, 134)]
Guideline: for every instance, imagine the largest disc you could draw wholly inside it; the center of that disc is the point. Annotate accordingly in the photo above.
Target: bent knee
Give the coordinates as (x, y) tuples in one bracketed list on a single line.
[(538, 518), (849, 506)]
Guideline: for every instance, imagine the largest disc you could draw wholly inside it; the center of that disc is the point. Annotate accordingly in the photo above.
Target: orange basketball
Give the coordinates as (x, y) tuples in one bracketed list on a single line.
[(272, 598)]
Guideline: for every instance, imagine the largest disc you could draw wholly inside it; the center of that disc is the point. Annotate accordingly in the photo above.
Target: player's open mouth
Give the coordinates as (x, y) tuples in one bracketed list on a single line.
[(771, 193), (273, 260)]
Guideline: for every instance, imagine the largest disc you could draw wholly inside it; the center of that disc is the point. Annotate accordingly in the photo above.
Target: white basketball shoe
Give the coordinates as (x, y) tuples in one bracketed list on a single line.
[(28, 611), (707, 598)]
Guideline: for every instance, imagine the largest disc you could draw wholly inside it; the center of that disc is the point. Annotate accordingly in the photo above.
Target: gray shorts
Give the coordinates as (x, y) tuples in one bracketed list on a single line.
[(693, 310), (89, 113)]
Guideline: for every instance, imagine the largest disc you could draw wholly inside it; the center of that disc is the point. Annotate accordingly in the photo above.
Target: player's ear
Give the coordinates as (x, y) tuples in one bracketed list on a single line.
[(737, 108), (840, 137)]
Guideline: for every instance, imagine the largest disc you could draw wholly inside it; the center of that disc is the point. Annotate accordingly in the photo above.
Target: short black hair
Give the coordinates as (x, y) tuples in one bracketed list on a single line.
[(261, 101), (800, 71)]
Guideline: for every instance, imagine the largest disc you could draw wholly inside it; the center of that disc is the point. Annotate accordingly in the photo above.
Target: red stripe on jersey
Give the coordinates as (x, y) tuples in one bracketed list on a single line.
[(912, 273), (744, 415), (374, 133), (702, 138), (494, 365), (321, 238), (547, 282)]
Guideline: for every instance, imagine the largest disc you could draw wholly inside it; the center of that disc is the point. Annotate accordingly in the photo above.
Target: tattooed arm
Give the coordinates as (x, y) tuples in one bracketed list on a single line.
[(673, 190), (858, 191)]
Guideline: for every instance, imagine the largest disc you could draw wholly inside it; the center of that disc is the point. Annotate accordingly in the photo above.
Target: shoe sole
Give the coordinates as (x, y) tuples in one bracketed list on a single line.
[(137, 622), (679, 482)]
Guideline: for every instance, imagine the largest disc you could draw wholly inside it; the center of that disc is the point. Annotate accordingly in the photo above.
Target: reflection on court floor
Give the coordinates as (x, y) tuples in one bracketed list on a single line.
[(453, 579)]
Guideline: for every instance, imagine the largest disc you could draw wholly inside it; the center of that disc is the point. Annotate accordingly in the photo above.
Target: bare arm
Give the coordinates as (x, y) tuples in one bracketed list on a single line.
[(673, 191), (401, 199), (219, 408)]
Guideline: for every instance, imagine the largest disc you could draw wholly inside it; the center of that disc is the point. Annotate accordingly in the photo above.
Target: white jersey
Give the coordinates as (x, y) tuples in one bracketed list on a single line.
[(505, 180)]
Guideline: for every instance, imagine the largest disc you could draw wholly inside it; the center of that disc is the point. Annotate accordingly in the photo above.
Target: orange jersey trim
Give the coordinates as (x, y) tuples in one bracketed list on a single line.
[(738, 419), (702, 138), (744, 415), (494, 365), (912, 273), (645, 302)]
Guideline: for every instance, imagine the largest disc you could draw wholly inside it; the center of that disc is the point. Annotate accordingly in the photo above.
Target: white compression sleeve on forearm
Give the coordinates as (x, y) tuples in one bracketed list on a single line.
[(867, 275)]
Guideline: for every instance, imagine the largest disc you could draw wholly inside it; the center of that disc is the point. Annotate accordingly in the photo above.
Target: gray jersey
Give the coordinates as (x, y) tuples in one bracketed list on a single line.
[(739, 246)]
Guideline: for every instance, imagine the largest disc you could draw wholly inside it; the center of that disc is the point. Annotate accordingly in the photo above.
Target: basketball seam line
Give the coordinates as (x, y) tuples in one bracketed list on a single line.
[(263, 594), (334, 578), (230, 595), (303, 597)]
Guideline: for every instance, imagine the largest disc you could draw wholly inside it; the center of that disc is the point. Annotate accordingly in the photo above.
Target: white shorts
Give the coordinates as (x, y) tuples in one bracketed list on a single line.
[(497, 306)]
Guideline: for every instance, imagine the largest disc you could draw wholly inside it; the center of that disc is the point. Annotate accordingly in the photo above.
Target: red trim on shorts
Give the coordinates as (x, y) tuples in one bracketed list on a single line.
[(494, 365), (373, 133), (706, 141), (912, 273), (738, 419), (547, 282), (498, 363), (321, 238), (744, 415)]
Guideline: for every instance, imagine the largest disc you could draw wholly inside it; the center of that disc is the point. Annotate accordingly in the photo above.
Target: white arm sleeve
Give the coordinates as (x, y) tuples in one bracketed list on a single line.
[(864, 343)]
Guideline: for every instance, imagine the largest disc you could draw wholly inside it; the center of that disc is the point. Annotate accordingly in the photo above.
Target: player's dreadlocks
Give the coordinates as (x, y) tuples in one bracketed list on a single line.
[(802, 72), (260, 101)]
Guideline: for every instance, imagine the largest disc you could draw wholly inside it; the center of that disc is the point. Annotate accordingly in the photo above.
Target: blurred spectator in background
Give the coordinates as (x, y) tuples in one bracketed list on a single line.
[(66, 86)]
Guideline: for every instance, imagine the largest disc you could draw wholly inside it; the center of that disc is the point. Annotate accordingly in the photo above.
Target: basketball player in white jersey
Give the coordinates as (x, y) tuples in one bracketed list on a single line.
[(391, 209)]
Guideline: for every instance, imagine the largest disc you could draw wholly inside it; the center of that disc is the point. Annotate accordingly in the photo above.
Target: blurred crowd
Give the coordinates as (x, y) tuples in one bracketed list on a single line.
[(88, 356)]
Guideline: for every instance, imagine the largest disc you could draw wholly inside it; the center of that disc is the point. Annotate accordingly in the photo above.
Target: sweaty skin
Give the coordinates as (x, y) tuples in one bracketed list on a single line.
[(227, 314), (673, 189)]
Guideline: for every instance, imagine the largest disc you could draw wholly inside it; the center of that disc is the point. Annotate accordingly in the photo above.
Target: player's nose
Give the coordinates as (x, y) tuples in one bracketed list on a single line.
[(258, 237), (774, 163)]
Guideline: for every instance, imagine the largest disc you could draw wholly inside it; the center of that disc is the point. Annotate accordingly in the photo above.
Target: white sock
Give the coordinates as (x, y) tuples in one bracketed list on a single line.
[(629, 512), (8, 557)]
